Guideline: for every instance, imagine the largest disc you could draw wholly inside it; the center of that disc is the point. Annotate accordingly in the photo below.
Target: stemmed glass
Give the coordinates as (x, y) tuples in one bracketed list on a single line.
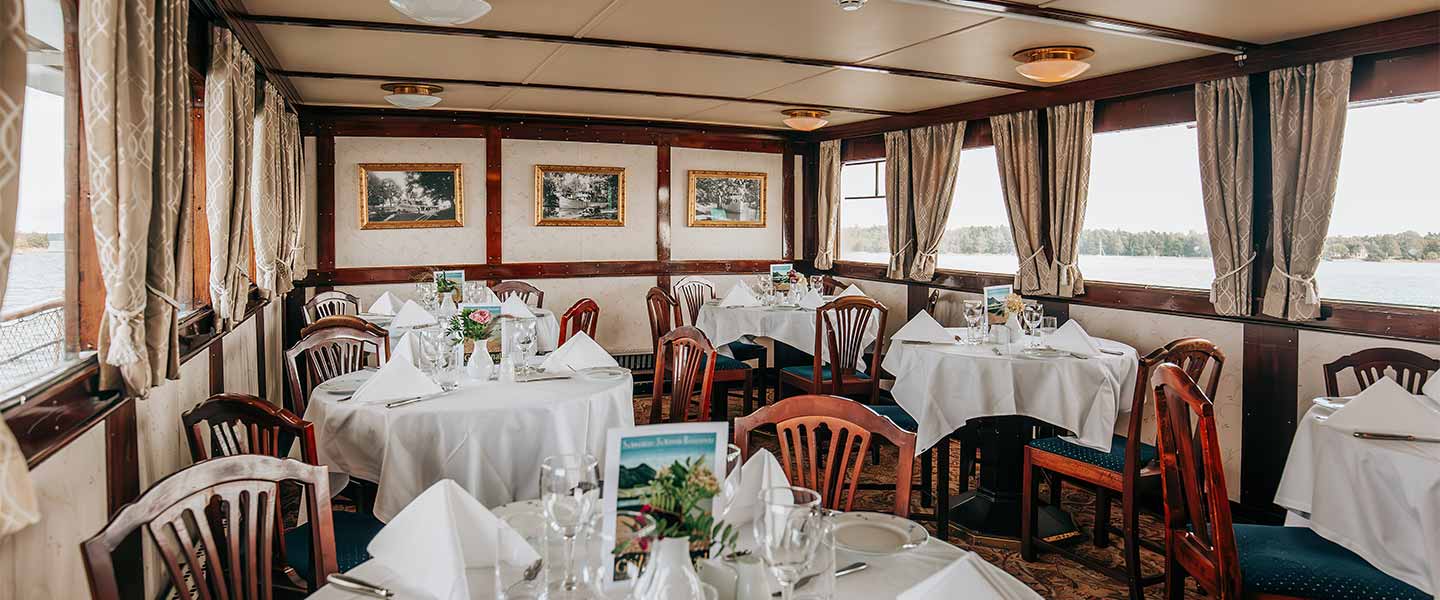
[(570, 493), (787, 531), (525, 338), (817, 283), (974, 313), (1031, 315), (731, 485)]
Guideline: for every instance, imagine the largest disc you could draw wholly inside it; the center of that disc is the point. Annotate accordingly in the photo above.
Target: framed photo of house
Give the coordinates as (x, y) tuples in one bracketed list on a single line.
[(411, 195), (575, 196), (726, 199)]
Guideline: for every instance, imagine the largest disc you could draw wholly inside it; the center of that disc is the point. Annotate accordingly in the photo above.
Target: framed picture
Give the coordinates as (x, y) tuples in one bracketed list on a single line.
[(726, 199), (411, 196), (781, 273), (995, 302), (571, 196)]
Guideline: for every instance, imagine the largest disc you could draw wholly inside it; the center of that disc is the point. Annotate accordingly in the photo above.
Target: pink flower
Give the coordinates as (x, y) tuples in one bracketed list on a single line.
[(480, 316)]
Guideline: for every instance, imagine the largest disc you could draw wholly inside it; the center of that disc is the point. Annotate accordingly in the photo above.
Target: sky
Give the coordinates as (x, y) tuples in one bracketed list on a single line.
[(42, 164)]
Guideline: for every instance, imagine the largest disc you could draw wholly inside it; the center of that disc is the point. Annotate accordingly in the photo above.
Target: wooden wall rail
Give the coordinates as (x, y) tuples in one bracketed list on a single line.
[(537, 270)]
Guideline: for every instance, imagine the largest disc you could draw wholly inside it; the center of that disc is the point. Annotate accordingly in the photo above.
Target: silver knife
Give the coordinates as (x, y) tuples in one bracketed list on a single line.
[(1395, 437), (412, 400), (841, 572), (543, 378), (348, 583)]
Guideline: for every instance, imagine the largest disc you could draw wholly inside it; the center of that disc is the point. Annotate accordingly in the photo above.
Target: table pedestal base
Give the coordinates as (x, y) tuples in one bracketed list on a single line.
[(991, 513), (990, 522)]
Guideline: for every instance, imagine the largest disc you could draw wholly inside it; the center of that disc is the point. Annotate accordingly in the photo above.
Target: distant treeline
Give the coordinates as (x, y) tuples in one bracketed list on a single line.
[(32, 241), (992, 239)]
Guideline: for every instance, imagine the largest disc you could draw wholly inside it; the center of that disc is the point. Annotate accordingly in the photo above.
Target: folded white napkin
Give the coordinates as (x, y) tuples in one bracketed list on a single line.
[(411, 315), (386, 304), (395, 380), (1385, 407), (515, 307), (1071, 337), (408, 348), (578, 352), (853, 290), (741, 296), (811, 300), (440, 534), (759, 472), (968, 577), (480, 363), (923, 328)]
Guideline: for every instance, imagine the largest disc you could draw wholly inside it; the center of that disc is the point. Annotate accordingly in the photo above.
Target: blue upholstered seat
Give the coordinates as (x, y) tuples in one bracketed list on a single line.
[(1295, 561), (897, 414), (1113, 460), (739, 348), (725, 363), (808, 372), (353, 532)]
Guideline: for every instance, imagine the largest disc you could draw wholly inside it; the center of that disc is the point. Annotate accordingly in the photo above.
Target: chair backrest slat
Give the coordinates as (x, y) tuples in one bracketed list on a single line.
[(525, 291), (664, 313), (685, 361), (693, 292), (244, 424), (584, 315), (1412, 369), (330, 304)]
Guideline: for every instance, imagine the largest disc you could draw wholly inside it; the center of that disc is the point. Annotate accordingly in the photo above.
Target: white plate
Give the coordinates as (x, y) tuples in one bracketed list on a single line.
[(605, 373), (877, 534), (521, 507), (344, 384), (1332, 403), (1043, 353)]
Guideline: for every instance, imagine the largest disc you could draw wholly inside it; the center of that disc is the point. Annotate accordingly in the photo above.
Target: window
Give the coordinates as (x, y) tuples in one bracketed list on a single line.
[(1145, 218), (1384, 240), (977, 232), (863, 237)]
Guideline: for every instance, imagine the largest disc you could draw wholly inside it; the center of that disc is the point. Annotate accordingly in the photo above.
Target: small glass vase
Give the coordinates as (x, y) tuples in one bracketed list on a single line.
[(668, 574)]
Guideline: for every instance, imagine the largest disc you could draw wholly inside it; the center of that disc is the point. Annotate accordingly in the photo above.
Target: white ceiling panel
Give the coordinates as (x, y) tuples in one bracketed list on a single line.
[(411, 55), (350, 92), (563, 17), (666, 71), (760, 115), (600, 104), (1255, 21), (879, 91)]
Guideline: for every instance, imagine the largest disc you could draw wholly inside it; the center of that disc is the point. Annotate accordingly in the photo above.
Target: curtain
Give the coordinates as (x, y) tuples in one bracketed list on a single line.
[(828, 211), (1307, 127), (229, 120), (1068, 132), (1227, 183), (934, 162), (267, 204), (897, 203), (134, 86), (292, 202), (1017, 152)]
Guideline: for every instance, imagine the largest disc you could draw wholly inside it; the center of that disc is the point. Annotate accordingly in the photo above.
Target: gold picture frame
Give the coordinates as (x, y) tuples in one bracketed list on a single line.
[(726, 199), (579, 196), (390, 199)]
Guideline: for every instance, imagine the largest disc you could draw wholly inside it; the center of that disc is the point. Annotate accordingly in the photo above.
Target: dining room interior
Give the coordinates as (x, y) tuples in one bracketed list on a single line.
[(673, 299)]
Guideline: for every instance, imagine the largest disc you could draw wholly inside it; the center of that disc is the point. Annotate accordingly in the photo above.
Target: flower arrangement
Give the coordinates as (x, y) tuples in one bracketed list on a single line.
[(1014, 304), (471, 325), (677, 501)]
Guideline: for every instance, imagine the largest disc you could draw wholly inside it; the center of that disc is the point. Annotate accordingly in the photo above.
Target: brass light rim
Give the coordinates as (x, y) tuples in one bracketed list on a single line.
[(1039, 53), (818, 113), (410, 87)]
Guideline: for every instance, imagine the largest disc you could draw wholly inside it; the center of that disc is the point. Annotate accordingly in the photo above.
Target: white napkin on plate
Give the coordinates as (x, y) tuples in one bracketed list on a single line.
[(396, 380), (1385, 407), (1071, 337), (480, 363), (811, 300), (411, 315), (759, 472), (408, 348), (853, 290), (440, 534), (515, 307), (386, 304), (923, 328), (969, 577), (578, 352), (740, 296)]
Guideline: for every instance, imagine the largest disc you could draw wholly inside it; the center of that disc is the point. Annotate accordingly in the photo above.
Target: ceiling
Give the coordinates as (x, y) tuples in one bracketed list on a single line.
[(572, 79)]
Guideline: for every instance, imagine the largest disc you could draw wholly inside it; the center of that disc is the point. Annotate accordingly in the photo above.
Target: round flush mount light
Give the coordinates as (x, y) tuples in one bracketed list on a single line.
[(805, 119), (1053, 64), (412, 95), (442, 12), (850, 5)]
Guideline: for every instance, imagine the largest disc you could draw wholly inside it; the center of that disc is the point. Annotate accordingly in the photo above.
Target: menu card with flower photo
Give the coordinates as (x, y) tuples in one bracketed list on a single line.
[(670, 474)]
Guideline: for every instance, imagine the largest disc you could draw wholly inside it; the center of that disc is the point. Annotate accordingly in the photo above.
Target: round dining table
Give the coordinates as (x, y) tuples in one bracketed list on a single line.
[(547, 327), (488, 436), (789, 325)]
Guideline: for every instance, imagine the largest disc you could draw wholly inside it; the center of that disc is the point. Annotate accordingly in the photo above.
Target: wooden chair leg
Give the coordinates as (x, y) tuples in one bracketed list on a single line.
[(1174, 576), (1131, 521), (942, 489), (1029, 511), (1056, 487), (749, 392), (1102, 517), (967, 465), (927, 472)]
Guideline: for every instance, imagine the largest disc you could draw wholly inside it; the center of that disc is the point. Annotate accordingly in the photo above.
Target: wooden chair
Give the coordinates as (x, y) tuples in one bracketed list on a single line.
[(1127, 469), (346, 322), (685, 360), (1411, 368), (241, 424), (1230, 561), (692, 293), (664, 313), (329, 304), (213, 525), (581, 316), (836, 474), (840, 329), (506, 289), (330, 353), (831, 286)]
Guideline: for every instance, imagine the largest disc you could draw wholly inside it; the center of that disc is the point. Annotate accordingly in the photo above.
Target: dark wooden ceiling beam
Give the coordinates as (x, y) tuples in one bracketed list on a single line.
[(578, 88), (496, 34), (230, 13)]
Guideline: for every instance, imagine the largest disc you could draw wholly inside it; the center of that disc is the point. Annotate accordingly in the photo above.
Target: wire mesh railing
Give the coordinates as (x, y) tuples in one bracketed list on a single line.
[(32, 342)]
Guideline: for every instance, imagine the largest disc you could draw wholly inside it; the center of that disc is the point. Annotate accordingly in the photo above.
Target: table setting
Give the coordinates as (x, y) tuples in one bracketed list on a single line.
[(430, 308), (786, 316)]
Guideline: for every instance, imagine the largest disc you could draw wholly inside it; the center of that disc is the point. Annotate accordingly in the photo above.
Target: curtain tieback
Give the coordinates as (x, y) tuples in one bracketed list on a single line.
[(124, 323), (898, 253), (1230, 273), (1068, 272), (1312, 295)]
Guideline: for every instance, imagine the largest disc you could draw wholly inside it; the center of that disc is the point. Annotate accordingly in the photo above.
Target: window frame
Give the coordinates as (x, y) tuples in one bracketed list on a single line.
[(879, 164)]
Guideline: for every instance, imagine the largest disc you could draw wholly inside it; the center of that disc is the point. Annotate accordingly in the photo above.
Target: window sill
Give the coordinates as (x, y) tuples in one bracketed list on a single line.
[(61, 409)]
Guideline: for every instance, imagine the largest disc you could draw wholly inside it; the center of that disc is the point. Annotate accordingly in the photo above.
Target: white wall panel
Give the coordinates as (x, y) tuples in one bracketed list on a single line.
[(525, 242), (1318, 348), (239, 354), (43, 560), (725, 242)]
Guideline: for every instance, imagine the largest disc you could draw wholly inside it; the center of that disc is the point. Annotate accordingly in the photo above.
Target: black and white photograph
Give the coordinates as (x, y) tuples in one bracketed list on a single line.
[(575, 196), (410, 196), (726, 199)]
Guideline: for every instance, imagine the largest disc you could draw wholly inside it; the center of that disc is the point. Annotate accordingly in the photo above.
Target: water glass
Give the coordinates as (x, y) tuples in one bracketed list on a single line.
[(787, 531), (974, 317), (449, 360), (817, 283), (629, 542), (1030, 316), (1048, 325), (519, 558), (570, 493), (821, 570)]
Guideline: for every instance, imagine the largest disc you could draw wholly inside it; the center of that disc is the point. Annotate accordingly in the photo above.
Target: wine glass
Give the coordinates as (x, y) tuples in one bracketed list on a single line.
[(974, 313), (731, 485), (526, 338), (817, 283), (786, 533), (1031, 315), (570, 493)]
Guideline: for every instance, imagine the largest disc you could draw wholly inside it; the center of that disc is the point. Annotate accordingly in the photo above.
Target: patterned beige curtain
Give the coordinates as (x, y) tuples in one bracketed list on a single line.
[(1307, 127), (1017, 152), (934, 162), (267, 203), (134, 88), (1227, 182), (1069, 129), (229, 120), (897, 203), (292, 203), (828, 211)]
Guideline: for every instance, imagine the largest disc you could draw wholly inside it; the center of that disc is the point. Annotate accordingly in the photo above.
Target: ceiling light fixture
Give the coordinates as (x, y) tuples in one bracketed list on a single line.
[(442, 12), (1053, 64), (805, 119), (412, 95), (850, 5)]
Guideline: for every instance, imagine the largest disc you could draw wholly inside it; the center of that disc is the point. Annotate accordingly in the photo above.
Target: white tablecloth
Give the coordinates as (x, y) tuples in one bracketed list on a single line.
[(944, 385), (546, 325), (488, 437), (1380, 499), (794, 327)]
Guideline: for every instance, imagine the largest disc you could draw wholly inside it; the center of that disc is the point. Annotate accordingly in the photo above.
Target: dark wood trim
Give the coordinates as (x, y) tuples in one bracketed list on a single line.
[(1386, 36), (325, 202), (537, 270), (1262, 207), (1270, 389), (217, 365), (494, 201), (810, 201), (231, 13), (1097, 23), (662, 210), (415, 28), (447, 81), (56, 414), (787, 198), (1150, 109), (1393, 74), (122, 486), (260, 387)]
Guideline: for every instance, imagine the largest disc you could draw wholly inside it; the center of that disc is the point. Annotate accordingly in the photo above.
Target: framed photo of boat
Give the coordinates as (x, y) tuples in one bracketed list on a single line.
[(575, 196), (411, 195), (726, 199)]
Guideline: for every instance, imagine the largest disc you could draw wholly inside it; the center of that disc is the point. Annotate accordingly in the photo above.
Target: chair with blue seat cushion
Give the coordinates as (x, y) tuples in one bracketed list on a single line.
[(1295, 561), (692, 293), (353, 532), (1127, 469), (686, 363), (840, 327), (665, 317)]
